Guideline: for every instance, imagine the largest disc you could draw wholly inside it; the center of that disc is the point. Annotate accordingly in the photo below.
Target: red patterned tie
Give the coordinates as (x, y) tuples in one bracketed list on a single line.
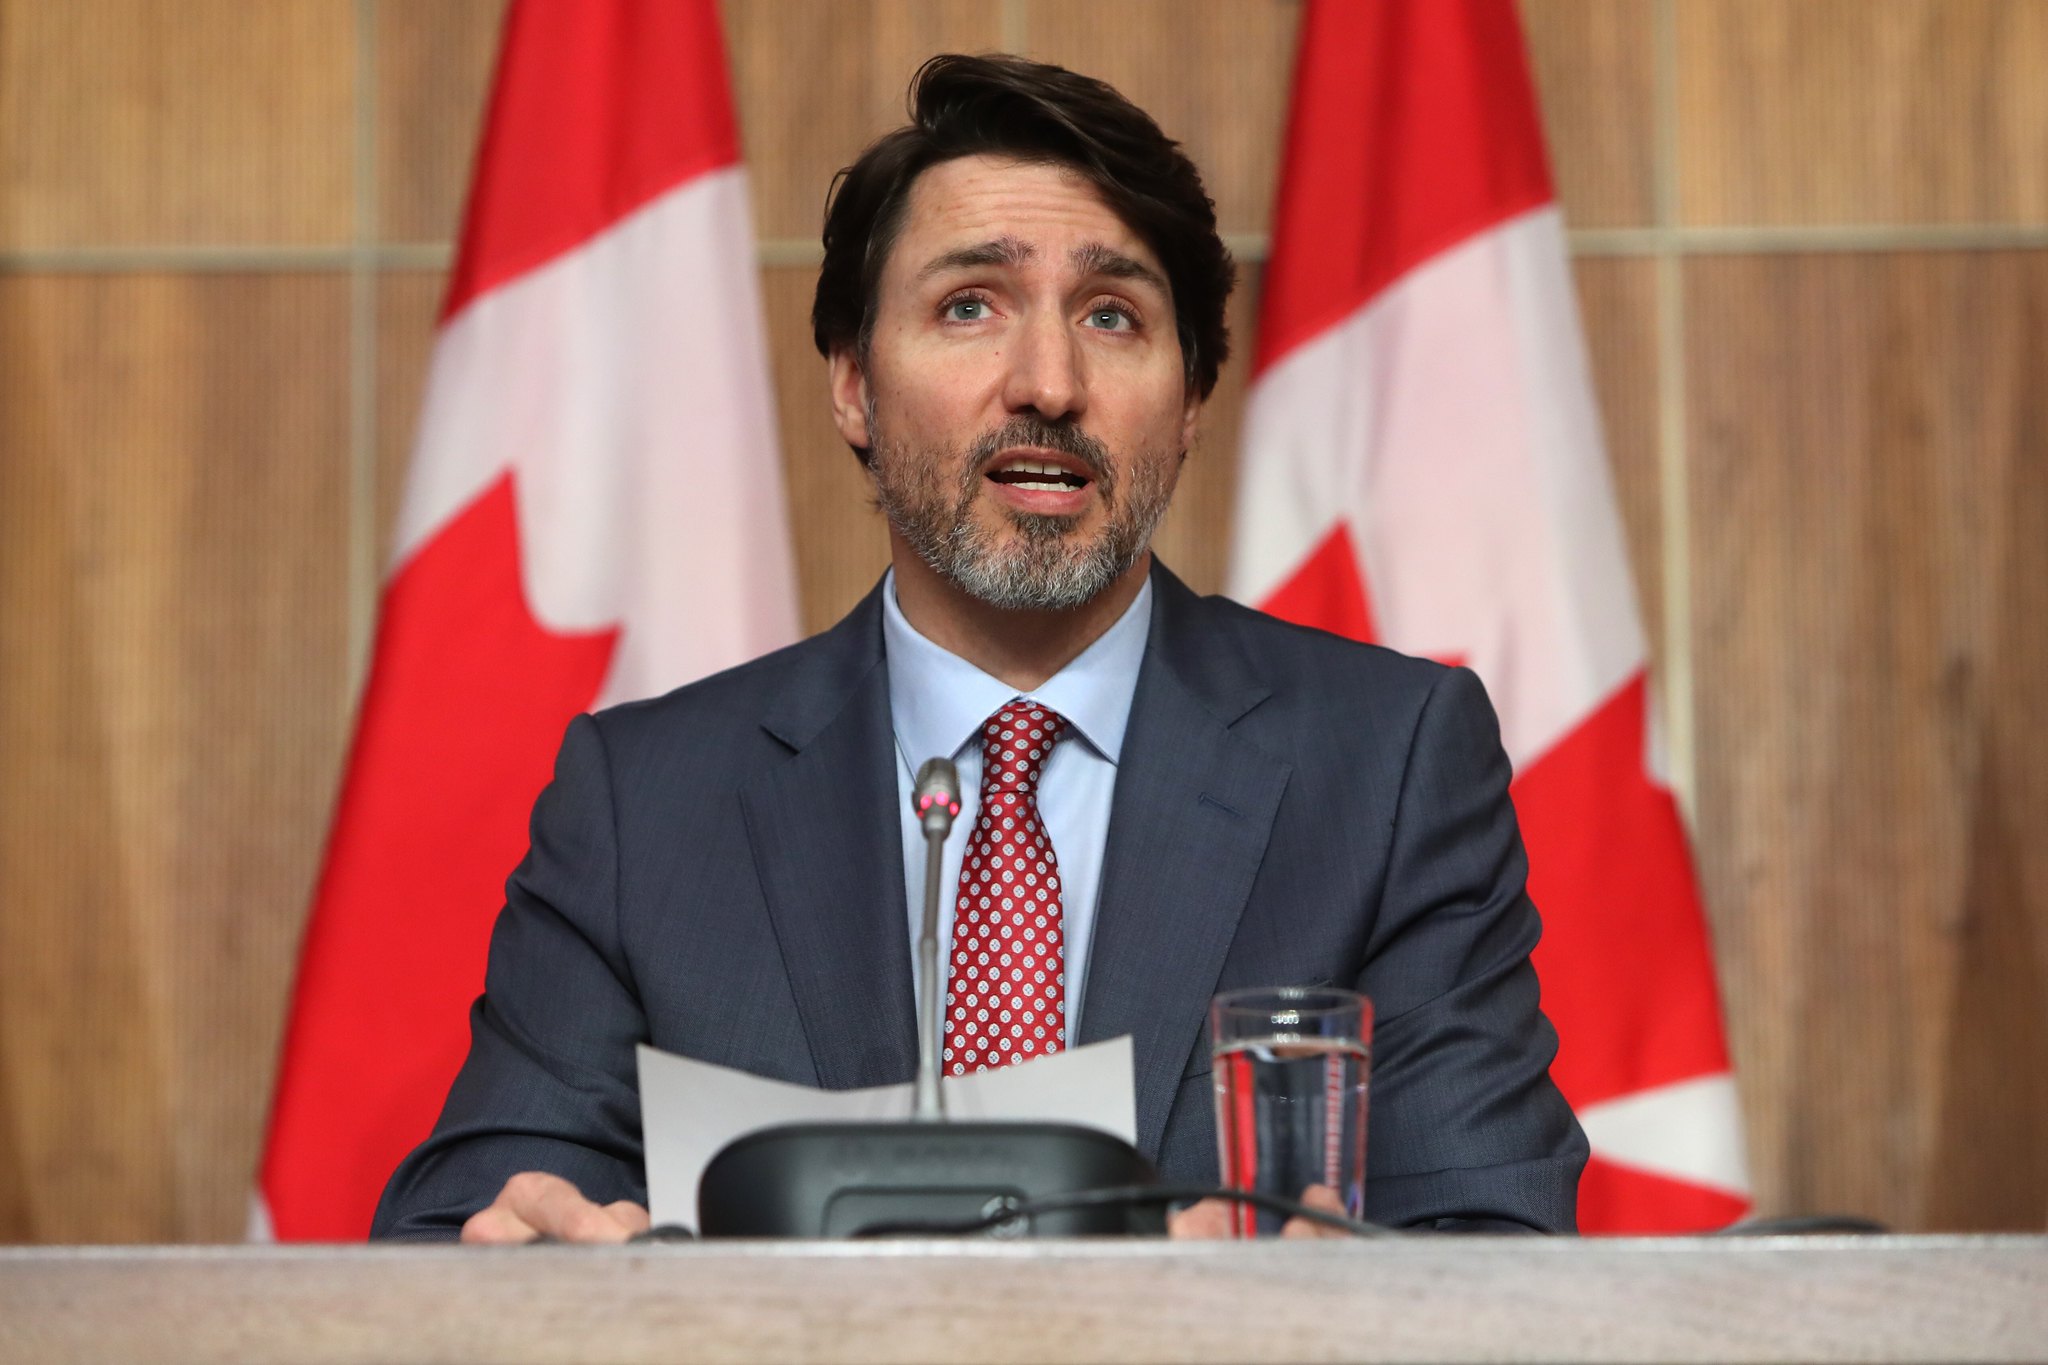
[(1006, 997)]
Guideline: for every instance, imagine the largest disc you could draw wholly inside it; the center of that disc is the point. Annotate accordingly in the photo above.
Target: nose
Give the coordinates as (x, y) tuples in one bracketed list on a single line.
[(1045, 374)]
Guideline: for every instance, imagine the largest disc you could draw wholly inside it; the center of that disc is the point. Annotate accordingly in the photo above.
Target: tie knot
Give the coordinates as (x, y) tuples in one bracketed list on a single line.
[(1016, 742)]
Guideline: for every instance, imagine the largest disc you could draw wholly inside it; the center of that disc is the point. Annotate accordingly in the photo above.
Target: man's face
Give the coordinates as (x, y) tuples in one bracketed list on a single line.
[(1024, 398)]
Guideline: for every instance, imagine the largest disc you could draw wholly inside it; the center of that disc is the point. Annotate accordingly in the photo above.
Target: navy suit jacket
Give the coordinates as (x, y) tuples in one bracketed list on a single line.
[(719, 872)]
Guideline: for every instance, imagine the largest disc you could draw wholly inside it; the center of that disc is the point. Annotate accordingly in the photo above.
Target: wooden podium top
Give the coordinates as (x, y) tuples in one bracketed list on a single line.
[(1414, 1299)]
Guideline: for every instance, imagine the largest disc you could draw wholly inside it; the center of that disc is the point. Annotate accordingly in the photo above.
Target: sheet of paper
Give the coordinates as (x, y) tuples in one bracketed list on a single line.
[(690, 1109)]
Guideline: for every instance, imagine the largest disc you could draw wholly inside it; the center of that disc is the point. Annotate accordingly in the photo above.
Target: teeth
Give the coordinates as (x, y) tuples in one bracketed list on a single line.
[(1040, 476)]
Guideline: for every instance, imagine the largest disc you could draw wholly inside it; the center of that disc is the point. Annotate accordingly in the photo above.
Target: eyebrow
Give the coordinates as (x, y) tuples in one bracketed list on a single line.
[(1092, 258), (997, 251), (1097, 259)]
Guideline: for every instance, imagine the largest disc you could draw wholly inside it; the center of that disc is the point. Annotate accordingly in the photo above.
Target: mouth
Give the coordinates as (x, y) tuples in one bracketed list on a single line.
[(1041, 481)]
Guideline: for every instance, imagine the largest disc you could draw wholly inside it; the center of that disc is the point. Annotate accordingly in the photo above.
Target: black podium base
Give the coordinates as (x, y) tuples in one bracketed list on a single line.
[(838, 1179)]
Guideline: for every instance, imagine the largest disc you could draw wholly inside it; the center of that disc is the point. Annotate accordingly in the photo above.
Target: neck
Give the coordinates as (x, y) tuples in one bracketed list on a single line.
[(1020, 646)]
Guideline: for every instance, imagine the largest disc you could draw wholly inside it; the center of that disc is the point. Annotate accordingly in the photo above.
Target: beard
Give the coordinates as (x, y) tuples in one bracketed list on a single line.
[(1045, 563)]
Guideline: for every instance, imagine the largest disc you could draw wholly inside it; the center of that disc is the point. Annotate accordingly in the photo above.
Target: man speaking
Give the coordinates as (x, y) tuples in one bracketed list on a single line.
[(1021, 306)]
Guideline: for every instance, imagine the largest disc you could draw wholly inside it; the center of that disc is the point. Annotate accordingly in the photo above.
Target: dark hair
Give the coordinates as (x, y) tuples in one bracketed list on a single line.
[(1008, 106)]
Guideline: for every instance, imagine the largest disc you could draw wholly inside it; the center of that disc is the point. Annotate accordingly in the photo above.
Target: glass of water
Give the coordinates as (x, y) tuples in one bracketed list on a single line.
[(1291, 1069)]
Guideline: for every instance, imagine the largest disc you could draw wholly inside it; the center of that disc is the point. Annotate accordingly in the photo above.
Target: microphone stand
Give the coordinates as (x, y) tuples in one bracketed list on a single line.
[(841, 1179), (938, 803)]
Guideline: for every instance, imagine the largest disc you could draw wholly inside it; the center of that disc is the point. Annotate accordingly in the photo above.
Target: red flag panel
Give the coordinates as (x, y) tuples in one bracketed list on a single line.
[(597, 108), (465, 706), (1628, 976), (1415, 175), (1413, 126), (551, 485)]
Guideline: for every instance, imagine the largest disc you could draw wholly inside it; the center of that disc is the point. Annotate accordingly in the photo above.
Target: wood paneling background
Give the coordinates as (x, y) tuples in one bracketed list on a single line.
[(1813, 264)]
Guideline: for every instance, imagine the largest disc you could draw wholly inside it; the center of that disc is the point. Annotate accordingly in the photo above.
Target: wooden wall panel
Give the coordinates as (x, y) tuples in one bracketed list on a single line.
[(841, 543), (817, 80), (1594, 62), (1222, 92), (174, 522), (408, 310), (86, 1099), (1865, 440), (1194, 538), (1618, 303), (129, 122), (16, 1223), (1863, 111), (1987, 1132), (432, 79)]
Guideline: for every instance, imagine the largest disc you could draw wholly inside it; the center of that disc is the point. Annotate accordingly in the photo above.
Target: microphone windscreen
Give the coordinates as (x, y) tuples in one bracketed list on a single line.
[(938, 777), (936, 799)]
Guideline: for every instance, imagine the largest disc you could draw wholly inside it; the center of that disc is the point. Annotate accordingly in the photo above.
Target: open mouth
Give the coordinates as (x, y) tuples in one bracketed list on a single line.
[(1038, 476)]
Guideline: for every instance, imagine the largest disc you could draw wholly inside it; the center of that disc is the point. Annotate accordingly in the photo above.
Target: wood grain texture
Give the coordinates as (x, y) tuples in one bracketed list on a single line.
[(841, 543), (1194, 538), (1988, 1131), (1863, 111), (434, 60), (408, 312), (1213, 73), (126, 122), (1595, 62), (1867, 495), (1413, 1299), (1618, 305), (85, 1091), (817, 80), (174, 523)]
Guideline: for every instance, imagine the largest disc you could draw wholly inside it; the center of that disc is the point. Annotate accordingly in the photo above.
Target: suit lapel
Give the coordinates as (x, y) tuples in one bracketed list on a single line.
[(1193, 810), (828, 848)]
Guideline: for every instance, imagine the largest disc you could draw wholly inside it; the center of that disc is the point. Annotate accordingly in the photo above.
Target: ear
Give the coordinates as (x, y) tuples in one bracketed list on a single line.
[(1190, 420), (849, 387)]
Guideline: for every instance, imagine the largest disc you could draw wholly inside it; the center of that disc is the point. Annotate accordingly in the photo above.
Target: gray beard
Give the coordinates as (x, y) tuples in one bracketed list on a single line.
[(1042, 567)]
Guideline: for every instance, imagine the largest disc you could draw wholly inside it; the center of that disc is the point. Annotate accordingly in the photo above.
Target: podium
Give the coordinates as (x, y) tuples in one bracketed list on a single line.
[(1426, 1298)]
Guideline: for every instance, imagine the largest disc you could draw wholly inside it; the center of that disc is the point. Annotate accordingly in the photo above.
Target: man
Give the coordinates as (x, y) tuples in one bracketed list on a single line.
[(1021, 305)]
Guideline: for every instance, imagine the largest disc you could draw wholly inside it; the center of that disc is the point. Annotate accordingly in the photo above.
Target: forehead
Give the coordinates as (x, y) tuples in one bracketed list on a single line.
[(974, 199)]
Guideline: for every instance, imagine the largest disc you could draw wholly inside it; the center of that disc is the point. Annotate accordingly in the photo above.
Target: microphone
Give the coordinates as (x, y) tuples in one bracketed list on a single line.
[(842, 1179), (936, 799)]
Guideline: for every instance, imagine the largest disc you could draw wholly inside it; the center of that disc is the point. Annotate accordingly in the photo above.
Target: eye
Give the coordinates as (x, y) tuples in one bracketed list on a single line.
[(1111, 317), (964, 309)]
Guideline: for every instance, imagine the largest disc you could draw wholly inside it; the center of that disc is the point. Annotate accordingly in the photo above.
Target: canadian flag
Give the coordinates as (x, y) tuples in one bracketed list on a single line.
[(594, 513), (1423, 467)]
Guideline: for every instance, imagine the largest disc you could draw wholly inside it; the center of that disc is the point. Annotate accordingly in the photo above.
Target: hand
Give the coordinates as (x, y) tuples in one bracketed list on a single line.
[(1211, 1218), (534, 1204)]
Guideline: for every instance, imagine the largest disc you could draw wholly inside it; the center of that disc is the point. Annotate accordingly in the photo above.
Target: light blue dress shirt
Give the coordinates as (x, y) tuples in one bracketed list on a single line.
[(937, 704)]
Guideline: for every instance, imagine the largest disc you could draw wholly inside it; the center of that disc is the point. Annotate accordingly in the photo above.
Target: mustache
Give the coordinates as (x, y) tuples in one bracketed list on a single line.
[(1063, 438)]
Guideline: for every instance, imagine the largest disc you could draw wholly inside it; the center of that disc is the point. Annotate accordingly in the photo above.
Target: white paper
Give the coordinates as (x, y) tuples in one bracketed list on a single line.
[(691, 1109)]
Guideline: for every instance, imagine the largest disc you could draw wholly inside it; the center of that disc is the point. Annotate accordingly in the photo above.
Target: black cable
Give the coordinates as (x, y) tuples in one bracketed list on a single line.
[(665, 1232), (1119, 1194), (1803, 1225), (1796, 1225)]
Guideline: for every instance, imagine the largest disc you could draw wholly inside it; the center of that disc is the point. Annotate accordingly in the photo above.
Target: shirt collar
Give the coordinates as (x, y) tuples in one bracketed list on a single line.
[(938, 700)]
